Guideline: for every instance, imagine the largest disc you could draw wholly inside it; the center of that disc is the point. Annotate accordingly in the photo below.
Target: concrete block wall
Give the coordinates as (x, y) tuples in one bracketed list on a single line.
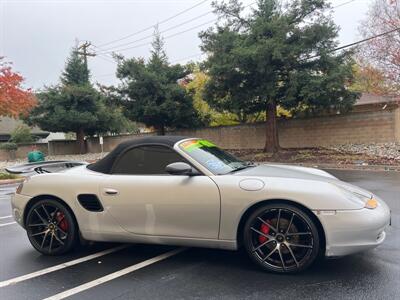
[(366, 127), (377, 126), (23, 150)]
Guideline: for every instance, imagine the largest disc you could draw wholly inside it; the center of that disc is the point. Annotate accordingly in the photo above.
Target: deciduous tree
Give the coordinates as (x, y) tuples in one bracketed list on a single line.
[(14, 99), (368, 79), (195, 86), (383, 53)]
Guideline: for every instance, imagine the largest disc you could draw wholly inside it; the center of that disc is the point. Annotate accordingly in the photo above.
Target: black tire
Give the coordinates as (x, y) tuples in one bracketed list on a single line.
[(289, 246), (51, 227)]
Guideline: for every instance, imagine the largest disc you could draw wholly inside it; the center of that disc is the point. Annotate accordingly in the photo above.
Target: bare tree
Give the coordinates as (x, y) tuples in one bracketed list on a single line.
[(383, 53)]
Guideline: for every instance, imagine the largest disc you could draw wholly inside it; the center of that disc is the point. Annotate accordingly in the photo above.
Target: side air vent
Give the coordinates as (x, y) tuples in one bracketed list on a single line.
[(90, 202)]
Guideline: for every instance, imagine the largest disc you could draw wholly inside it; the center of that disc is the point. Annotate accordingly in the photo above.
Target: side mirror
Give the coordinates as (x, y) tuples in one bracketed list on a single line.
[(180, 168)]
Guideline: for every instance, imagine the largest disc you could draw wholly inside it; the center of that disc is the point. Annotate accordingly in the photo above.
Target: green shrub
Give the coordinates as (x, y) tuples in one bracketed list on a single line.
[(8, 176), (9, 146), (21, 134)]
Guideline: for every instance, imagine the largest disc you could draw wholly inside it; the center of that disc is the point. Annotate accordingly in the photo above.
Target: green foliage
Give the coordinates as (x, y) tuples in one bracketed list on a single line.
[(131, 127), (151, 94), (4, 176), (21, 134), (75, 105), (211, 116), (76, 71), (368, 79), (206, 114), (276, 55), (8, 146)]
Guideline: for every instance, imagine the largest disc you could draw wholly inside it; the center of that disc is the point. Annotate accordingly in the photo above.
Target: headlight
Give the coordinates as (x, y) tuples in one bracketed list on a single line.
[(371, 203), (362, 196)]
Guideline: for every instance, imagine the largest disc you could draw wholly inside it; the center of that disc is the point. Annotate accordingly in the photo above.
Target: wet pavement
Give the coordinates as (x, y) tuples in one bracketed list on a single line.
[(198, 273)]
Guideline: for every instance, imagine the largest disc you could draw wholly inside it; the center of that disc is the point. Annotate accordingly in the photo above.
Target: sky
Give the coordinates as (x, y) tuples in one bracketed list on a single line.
[(37, 35)]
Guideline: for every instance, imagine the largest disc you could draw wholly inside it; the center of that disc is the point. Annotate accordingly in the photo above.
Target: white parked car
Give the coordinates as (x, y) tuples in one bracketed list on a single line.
[(188, 192)]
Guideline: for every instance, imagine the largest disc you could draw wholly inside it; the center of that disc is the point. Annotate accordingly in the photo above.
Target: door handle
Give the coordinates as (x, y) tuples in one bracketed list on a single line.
[(110, 192)]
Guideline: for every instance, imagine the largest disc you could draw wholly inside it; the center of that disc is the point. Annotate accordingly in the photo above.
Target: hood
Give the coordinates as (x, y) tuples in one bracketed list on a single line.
[(296, 172), (287, 171)]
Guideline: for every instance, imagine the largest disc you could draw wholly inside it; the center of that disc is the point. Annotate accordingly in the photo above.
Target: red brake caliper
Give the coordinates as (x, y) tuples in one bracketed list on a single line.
[(62, 223), (264, 229)]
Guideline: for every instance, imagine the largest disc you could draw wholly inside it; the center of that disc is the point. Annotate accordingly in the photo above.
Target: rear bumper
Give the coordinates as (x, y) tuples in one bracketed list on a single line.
[(352, 231), (18, 203)]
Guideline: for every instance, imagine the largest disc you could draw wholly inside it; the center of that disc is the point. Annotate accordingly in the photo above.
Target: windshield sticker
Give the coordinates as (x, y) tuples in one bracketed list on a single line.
[(215, 164), (191, 145)]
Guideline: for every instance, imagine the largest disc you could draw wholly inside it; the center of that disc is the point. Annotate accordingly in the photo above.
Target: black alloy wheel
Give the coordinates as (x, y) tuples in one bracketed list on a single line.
[(51, 228), (281, 238)]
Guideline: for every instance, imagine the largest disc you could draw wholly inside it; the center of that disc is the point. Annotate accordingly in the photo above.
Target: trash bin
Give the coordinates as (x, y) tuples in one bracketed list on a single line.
[(35, 156)]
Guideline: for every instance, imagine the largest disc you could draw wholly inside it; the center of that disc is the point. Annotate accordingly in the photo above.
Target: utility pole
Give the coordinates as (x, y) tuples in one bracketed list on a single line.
[(84, 52)]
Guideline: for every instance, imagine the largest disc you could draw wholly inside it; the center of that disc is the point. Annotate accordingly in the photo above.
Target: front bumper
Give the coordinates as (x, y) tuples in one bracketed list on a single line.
[(351, 231), (18, 203)]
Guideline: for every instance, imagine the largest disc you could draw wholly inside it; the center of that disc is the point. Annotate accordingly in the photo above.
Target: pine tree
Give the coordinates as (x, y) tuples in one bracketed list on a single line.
[(277, 55), (76, 71), (151, 94), (76, 106)]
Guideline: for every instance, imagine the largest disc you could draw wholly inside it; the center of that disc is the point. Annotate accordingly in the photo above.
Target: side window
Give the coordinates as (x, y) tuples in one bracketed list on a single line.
[(146, 160)]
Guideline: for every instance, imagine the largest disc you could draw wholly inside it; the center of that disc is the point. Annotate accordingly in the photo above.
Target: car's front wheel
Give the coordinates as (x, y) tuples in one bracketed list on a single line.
[(51, 228), (281, 238)]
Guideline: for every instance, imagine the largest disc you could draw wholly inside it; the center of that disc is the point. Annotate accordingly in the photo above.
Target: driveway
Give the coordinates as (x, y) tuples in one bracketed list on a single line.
[(110, 271)]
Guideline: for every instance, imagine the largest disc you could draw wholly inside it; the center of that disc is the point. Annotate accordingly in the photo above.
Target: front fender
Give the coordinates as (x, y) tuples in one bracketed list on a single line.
[(312, 194)]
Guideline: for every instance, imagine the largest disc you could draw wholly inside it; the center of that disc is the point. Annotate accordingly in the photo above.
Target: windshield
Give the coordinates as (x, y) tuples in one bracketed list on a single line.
[(213, 158)]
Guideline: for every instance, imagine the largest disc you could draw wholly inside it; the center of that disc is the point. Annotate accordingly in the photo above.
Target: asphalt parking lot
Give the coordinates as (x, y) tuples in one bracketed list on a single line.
[(110, 271)]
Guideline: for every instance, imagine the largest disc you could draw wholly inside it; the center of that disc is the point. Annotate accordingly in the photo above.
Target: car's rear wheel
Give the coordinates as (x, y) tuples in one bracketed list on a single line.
[(281, 238), (51, 228)]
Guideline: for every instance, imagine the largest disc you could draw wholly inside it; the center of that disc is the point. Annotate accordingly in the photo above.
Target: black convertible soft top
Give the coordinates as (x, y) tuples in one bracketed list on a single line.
[(105, 164)]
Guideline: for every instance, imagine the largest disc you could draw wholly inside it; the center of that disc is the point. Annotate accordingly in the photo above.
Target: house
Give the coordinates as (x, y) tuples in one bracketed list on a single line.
[(7, 126), (370, 102)]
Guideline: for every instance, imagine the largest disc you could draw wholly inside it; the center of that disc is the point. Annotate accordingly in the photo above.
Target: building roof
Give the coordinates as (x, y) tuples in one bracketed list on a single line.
[(7, 125), (105, 164), (368, 99)]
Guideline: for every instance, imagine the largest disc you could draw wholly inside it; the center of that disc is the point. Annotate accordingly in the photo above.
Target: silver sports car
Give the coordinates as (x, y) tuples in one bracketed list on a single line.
[(188, 192)]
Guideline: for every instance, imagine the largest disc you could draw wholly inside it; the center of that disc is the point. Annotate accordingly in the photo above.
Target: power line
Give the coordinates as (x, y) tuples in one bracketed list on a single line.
[(152, 26), (105, 52), (314, 56), (166, 37), (163, 31), (356, 43), (105, 58), (343, 4), (113, 49), (170, 28)]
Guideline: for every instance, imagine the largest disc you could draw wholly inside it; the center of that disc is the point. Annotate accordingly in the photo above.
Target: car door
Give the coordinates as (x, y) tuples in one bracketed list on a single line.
[(144, 199)]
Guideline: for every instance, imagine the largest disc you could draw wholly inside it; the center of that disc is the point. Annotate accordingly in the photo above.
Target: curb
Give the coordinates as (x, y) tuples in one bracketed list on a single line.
[(11, 181)]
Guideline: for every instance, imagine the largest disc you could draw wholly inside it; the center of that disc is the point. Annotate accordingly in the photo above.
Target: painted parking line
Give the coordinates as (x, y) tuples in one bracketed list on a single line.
[(60, 266), (114, 275), (5, 217), (6, 224)]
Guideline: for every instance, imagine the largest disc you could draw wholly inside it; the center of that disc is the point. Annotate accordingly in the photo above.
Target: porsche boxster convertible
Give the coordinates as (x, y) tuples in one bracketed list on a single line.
[(188, 192)]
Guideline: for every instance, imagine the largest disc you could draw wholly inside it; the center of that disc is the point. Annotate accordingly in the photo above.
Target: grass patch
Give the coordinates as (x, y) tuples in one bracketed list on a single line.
[(4, 176)]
